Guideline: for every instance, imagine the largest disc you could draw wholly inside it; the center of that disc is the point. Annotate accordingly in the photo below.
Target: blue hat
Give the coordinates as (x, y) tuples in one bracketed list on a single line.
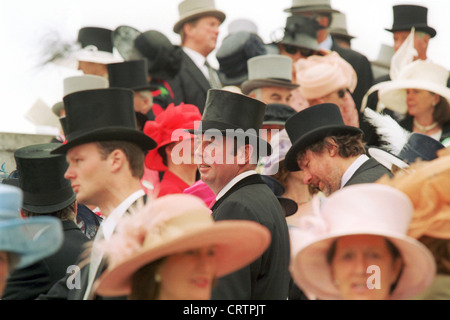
[(31, 239)]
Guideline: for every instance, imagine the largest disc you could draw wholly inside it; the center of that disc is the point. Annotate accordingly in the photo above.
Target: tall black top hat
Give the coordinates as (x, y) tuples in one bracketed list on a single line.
[(312, 124), (102, 115), (408, 16), (230, 112), (99, 37), (41, 178), (131, 74)]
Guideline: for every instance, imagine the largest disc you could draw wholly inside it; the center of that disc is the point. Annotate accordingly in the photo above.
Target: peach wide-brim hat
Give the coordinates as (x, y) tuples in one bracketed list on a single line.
[(174, 224), (319, 76), (419, 74), (364, 209)]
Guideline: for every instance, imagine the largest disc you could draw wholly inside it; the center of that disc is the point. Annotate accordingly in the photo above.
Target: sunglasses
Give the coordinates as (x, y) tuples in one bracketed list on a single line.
[(341, 92), (305, 52)]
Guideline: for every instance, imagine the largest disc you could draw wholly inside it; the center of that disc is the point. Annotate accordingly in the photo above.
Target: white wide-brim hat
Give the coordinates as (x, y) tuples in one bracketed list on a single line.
[(370, 209), (174, 224), (419, 74), (92, 54)]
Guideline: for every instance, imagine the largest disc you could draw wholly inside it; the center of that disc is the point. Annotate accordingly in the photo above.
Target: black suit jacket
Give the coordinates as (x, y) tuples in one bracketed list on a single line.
[(190, 84), (370, 171), (29, 282), (363, 70), (267, 278)]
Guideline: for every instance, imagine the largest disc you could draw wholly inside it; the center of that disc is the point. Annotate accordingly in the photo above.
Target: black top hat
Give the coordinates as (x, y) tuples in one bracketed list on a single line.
[(233, 54), (41, 178), (163, 58), (99, 37), (277, 113), (420, 146), (301, 31), (289, 206), (312, 124), (408, 16), (129, 74), (227, 111), (102, 115)]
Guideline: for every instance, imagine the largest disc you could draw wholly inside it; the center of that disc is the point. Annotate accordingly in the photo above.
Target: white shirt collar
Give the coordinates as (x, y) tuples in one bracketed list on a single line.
[(326, 44), (198, 59), (110, 222), (352, 169), (233, 181)]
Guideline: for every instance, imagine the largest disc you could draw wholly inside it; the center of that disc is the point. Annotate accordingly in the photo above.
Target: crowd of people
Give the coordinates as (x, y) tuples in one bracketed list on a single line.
[(297, 170)]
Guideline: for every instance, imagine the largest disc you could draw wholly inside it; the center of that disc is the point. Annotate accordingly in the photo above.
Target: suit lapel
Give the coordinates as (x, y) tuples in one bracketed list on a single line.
[(195, 72)]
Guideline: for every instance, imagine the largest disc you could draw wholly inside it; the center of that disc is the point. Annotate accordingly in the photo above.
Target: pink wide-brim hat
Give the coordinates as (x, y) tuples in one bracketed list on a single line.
[(364, 209), (173, 224), (319, 76)]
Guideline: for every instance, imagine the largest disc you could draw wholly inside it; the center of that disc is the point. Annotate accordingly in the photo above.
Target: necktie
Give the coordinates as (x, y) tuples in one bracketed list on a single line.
[(213, 78)]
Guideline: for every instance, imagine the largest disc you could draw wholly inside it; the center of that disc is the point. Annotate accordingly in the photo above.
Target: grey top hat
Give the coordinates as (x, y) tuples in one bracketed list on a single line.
[(193, 9), (310, 6), (338, 26), (79, 83), (269, 71), (234, 53)]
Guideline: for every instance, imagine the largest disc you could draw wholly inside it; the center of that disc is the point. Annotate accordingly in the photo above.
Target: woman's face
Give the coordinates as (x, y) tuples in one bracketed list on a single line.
[(188, 275), (350, 267), (420, 102)]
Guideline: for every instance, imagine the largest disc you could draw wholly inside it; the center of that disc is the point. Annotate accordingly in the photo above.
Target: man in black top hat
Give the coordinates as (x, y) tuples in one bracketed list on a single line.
[(46, 192), (105, 152), (330, 154), (229, 146), (133, 75), (405, 18)]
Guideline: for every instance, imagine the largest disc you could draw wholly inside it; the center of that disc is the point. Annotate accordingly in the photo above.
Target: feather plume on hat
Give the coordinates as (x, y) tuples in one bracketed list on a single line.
[(392, 135)]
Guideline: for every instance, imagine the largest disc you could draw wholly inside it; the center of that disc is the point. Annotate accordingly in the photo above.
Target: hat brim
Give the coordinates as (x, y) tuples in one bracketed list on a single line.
[(32, 239), (198, 14), (250, 85), (312, 137), (427, 29), (237, 244), (57, 108), (386, 158), (311, 271), (232, 81), (311, 8), (108, 134), (393, 94)]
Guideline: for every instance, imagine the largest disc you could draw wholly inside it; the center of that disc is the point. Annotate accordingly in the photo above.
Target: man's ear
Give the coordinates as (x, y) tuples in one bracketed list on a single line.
[(116, 160)]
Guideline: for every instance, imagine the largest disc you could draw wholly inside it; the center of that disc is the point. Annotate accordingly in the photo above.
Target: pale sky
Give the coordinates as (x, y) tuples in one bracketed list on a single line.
[(24, 23)]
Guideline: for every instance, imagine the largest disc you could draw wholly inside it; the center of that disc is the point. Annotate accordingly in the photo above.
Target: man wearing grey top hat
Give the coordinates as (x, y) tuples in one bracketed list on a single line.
[(322, 11), (198, 27), (269, 79)]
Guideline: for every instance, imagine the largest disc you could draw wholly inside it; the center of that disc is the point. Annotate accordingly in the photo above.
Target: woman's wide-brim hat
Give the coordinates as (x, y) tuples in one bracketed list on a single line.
[(231, 115), (419, 74), (184, 223), (169, 126), (311, 125), (364, 209), (41, 178), (102, 115), (408, 16), (96, 46), (192, 9), (31, 239)]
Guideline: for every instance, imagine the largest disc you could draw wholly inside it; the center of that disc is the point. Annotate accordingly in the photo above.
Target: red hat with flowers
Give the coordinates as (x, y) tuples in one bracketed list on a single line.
[(169, 126)]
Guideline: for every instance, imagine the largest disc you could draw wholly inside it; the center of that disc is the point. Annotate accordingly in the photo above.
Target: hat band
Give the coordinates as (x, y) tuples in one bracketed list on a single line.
[(47, 198)]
